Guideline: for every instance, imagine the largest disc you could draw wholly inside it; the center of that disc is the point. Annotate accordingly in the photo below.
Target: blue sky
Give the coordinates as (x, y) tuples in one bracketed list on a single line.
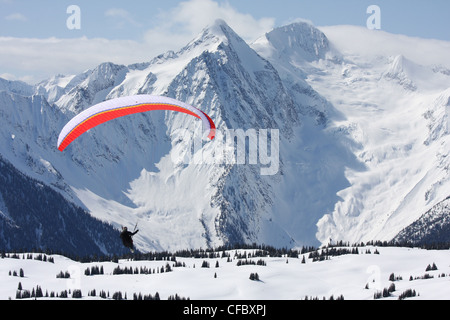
[(46, 18), (155, 26)]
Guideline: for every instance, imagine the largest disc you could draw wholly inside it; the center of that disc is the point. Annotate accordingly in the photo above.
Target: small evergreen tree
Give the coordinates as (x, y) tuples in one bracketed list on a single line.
[(117, 295), (254, 277), (76, 294), (431, 268), (407, 294), (205, 264), (391, 288)]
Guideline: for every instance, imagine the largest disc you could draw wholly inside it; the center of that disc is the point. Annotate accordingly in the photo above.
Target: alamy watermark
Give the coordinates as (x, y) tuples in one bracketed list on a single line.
[(73, 22), (374, 20), (232, 146)]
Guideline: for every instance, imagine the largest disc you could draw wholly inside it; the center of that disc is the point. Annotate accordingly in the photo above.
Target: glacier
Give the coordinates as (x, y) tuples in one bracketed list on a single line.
[(362, 139)]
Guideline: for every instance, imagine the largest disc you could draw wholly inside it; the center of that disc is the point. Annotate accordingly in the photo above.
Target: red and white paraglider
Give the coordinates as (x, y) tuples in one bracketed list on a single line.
[(115, 108)]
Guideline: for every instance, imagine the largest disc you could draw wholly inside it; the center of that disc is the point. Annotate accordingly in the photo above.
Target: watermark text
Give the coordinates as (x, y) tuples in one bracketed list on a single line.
[(73, 22), (374, 20), (233, 146)]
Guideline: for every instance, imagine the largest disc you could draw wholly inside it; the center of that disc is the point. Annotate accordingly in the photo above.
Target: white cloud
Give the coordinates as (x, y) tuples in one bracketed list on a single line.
[(123, 17), (38, 59), (371, 43), (16, 17), (8, 76), (43, 58)]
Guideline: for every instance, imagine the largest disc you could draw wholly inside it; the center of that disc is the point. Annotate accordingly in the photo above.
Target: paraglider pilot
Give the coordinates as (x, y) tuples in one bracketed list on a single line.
[(126, 235)]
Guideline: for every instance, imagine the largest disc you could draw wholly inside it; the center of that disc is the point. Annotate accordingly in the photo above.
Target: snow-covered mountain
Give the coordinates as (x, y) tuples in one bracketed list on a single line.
[(432, 227), (35, 217), (357, 143), (390, 113)]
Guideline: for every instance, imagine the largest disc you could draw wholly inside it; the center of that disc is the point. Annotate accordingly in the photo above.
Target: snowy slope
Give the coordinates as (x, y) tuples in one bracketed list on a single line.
[(353, 276), (398, 107), (432, 227)]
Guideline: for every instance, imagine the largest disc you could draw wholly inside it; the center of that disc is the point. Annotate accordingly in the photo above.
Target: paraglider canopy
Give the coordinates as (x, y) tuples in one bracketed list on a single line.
[(115, 108)]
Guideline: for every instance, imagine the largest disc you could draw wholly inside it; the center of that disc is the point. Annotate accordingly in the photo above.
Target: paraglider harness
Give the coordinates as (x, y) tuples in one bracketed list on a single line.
[(126, 235)]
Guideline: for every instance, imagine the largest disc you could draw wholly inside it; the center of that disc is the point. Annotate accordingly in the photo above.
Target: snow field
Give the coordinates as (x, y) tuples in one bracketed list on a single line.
[(281, 279)]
